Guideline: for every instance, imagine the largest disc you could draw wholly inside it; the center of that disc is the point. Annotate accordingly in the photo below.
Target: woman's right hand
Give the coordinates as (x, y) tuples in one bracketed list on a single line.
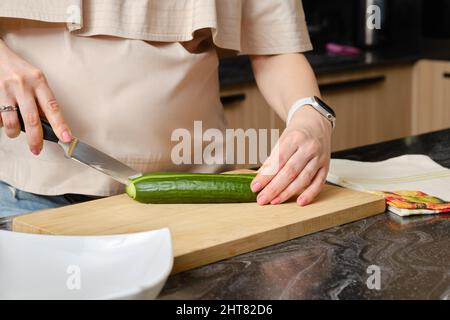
[(26, 87)]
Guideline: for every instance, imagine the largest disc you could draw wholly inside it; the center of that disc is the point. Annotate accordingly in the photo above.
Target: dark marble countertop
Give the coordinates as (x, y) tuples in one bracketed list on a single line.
[(237, 70), (413, 253)]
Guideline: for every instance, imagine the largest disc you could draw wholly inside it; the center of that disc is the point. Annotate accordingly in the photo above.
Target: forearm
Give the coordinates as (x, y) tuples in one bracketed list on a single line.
[(283, 79)]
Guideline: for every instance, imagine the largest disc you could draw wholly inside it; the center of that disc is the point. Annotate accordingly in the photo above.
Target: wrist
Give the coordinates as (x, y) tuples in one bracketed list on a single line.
[(309, 115)]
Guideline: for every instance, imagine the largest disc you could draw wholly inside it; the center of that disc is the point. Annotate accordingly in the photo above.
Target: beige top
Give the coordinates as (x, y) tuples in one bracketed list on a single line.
[(248, 26), (127, 95)]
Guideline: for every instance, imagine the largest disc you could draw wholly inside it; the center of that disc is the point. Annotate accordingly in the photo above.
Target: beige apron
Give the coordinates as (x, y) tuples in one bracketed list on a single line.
[(125, 84), (125, 97)]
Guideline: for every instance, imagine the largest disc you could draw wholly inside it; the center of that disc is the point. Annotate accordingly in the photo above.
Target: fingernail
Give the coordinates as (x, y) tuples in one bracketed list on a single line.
[(301, 201), (261, 200), (35, 151), (256, 186), (277, 200), (66, 136)]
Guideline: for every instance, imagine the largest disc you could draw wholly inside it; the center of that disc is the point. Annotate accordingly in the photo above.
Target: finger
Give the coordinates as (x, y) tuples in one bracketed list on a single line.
[(9, 119), (314, 188), (11, 124), (270, 169), (52, 111), (31, 120), (285, 176), (302, 181), (280, 154)]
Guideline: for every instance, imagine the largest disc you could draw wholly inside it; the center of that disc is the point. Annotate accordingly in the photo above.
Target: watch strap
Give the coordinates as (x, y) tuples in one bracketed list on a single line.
[(311, 101), (297, 105)]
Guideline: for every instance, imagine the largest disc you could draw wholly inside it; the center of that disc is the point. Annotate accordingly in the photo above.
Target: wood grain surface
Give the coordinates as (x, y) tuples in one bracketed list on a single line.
[(205, 233)]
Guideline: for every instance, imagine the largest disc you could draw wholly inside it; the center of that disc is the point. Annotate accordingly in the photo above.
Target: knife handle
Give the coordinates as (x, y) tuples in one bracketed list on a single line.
[(48, 132)]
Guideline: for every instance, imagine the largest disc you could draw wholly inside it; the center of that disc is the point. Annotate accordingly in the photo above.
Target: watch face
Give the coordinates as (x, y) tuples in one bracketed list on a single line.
[(325, 106)]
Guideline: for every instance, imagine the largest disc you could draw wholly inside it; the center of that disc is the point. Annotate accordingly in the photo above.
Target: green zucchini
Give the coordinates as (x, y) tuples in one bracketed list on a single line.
[(174, 187)]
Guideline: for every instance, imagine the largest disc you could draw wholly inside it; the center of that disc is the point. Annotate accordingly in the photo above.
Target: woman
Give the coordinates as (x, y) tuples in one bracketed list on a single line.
[(123, 75)]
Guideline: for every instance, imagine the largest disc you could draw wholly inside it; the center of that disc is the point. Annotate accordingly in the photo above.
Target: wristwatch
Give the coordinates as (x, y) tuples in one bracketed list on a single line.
[(315, 102)]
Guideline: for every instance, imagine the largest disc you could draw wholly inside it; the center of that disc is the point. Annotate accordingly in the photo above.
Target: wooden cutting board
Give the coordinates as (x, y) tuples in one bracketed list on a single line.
[(205, 233)]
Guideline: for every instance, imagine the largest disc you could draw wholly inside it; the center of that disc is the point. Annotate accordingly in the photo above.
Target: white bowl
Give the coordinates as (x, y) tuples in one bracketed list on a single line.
[(84, 267)]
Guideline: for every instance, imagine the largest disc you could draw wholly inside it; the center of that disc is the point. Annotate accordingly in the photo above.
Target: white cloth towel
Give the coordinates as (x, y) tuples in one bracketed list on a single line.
[(408, 172)]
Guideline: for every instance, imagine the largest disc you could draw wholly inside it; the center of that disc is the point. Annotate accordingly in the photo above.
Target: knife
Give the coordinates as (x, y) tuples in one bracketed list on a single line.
[(88, 155)]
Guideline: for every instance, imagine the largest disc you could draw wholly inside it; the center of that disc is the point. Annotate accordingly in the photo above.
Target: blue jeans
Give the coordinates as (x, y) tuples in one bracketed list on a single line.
[(14, 201)]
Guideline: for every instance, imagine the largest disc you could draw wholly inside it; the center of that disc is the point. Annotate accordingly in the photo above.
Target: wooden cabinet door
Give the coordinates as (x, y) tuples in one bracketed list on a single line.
[(245, 108), (371, 106), (431, 104)]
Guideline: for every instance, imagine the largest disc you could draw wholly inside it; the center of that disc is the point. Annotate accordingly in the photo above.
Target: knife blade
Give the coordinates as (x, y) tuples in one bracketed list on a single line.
[(88, 155), (94, 158)]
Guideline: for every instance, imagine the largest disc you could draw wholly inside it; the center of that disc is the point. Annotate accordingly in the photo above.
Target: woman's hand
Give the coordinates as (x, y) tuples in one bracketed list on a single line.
[(25, 86), (298, 163)]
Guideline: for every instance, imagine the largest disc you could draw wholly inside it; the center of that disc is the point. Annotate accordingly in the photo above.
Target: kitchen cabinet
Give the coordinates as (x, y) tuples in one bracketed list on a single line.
[(431, 103), (372, 105), (246, 108)]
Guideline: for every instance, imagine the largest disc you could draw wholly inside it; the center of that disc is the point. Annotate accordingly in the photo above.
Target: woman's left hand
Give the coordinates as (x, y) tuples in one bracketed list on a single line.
[(299, 163)]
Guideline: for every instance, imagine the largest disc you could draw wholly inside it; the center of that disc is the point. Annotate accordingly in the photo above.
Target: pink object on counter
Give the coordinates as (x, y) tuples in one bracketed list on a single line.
[(339, 49)]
